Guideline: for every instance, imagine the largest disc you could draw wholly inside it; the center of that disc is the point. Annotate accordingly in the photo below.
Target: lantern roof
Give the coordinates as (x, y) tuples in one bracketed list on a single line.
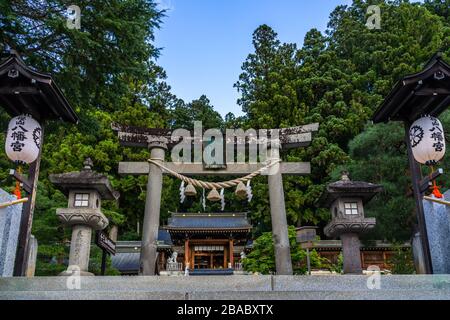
[(85, 179), (346, 188), (26, 91), (425, 92)]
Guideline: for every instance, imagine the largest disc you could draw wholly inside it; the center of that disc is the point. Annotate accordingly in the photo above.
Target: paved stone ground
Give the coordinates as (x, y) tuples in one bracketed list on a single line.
[(349, 287)]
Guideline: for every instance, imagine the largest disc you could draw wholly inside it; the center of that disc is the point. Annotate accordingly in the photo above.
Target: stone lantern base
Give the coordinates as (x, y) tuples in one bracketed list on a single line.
[(81, 273)]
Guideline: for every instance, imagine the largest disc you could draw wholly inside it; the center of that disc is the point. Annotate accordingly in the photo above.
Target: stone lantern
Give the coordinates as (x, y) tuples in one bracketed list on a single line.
[(346, 200), (85, 190)]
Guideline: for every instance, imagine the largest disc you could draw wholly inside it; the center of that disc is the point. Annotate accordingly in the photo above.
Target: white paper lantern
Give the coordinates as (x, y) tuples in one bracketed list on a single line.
[(23, 140), (427, 140)]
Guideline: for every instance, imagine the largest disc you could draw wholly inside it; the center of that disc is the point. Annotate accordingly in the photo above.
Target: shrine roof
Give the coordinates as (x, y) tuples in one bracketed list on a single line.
[(208, 222), (424, 93), (26, 91), (126, 261)]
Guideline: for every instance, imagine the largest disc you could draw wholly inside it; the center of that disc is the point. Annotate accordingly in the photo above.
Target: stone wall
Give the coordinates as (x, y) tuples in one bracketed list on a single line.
[(9, 232)]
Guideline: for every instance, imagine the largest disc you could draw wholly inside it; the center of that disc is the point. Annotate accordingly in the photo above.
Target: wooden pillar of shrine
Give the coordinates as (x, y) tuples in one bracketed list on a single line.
[(186, 254), (231, 253)]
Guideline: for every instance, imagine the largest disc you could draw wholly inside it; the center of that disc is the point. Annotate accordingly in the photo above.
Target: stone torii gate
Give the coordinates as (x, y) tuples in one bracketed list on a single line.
[(158, 141)]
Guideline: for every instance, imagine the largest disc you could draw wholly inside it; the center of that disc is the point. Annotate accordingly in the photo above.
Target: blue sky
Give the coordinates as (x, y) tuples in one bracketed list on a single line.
[(205, 42)]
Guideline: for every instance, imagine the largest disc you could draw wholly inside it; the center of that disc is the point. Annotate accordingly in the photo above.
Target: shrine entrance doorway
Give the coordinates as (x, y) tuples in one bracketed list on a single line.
[(210, 254), (209, 241)]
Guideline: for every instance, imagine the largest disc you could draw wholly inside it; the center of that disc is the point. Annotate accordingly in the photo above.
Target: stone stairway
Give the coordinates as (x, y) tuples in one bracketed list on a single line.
[(349, 287)]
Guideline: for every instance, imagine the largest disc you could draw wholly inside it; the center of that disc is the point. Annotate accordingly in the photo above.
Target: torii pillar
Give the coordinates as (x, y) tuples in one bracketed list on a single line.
[(147, 261), (280, 236)]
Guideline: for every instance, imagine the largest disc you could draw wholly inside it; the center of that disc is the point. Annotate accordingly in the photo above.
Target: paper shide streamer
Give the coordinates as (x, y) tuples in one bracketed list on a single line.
[(182, 195)]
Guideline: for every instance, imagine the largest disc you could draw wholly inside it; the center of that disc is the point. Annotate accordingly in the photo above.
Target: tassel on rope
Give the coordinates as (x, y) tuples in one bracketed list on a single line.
[(190, 191), (241, 191), (435, 189), (17, 192), (249, 192), (182, 192), (213, 195), (222, 199)]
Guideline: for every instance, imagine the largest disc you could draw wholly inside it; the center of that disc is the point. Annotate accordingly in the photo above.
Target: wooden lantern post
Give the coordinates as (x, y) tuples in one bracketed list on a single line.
[(26, 91)]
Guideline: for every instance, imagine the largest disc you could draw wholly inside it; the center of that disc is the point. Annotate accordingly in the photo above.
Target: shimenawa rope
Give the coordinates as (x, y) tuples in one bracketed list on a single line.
[(214, 185)]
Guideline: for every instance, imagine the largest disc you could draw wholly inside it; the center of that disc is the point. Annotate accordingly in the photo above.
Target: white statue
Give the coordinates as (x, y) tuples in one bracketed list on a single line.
[(173, 257), (243, 255)]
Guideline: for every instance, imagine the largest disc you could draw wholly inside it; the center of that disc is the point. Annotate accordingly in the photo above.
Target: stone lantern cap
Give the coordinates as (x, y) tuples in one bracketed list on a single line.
[(85, 179), (348, 189)]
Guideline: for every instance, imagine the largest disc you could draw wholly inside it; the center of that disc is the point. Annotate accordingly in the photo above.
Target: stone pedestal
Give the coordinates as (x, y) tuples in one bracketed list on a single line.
[(437, 218), (9, 233), (83, 221), (80, 247), (351, 253)]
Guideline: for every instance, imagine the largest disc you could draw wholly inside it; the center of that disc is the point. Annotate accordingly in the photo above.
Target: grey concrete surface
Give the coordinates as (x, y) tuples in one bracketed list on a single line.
[(327, 287)]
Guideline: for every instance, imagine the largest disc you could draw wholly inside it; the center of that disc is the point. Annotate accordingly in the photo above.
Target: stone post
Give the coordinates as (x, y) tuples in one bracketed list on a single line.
[(32, 257), (279, 221), (80, 247), (152, 210), (82, 224), (419, 263), (351, 253)]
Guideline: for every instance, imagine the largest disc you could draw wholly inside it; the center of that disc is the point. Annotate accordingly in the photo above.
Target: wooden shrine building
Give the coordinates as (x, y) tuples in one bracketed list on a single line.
[(209, 240)]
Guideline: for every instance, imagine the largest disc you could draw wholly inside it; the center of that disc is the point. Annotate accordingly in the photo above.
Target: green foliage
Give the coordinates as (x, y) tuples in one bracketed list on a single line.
[(402, 261), (50, 259), (337, 267), (184, 115), (262, 257), (95, 263)]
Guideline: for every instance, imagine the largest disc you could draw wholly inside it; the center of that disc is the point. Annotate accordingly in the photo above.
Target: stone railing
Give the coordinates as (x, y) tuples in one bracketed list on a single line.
[(238, 266), (174, 266)]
